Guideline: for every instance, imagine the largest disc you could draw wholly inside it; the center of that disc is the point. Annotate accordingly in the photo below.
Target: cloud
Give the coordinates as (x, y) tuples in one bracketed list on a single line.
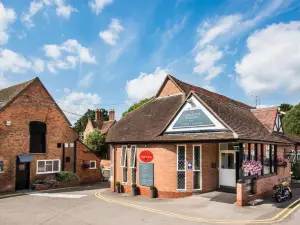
[(67, 55), (7, 17), (206, 60), (220, 30), (145, 85), (78, 103), (3, 81), (98, 5), (11, 61), (62, 10), (111, 35), (272, 61), (86, 81)]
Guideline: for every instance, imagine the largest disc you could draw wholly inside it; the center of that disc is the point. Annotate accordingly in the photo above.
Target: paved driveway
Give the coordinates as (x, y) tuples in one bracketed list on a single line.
[(80, 206)]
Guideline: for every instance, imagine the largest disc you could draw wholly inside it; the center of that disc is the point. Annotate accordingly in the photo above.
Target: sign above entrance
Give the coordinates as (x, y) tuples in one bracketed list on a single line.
[(146, 156), (193, 118)]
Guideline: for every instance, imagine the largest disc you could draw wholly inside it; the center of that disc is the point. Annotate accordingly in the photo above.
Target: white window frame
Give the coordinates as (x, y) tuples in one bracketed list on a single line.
[(122, 164), (48, 160), (134, 160), (71, 145), (2, 171), (181, 170), (93, 168), (200, 170), (66, 145)]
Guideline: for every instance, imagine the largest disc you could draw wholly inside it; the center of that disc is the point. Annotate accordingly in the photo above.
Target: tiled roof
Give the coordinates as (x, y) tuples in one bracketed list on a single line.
[(103, 126), (148, 122), (8, 94), (266, 116), (187, 88)]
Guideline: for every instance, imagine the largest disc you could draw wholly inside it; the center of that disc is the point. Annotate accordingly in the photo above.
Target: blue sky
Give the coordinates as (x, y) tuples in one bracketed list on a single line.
[(111, 53)]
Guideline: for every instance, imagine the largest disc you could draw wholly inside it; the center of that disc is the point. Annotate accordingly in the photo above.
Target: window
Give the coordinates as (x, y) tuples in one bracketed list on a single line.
[(1, 167), (181, 156), (71, 145), (66, 145), (68, 159), (48, 166), (197, 160), (123, 155), (267, 160), (38, 132), (93, 165), (124, 164), (58, 145), (133, 164)]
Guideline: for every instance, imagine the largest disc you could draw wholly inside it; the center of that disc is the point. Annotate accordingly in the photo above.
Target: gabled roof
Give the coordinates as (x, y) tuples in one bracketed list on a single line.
[(148, 123), (266, 116), (7, 95), (103, 126)]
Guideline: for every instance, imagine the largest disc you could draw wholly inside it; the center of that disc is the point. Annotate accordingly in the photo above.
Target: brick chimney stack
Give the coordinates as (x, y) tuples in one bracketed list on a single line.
[(99, 115), (111, 114)]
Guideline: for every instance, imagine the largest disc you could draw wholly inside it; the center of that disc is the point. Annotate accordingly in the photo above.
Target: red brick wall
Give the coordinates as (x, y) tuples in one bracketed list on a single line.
[(14, 139), (169, 89), (87, 175), (165, 169)]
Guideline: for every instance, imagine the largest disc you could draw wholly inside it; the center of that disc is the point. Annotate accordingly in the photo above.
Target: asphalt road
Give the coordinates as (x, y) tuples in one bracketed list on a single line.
[(79, 206)]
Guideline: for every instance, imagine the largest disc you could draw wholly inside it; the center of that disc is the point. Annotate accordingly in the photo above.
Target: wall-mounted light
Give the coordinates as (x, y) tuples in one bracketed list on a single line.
[(8, 123)]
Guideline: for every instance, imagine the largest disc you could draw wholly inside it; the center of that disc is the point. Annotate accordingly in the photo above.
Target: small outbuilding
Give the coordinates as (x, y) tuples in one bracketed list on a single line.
[(190, 140)]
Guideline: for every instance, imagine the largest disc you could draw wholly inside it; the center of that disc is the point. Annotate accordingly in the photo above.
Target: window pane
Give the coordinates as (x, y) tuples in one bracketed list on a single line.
[(227, 160), (49, 166), (92, 164), (197, 158), (123, 156), (1, 166), (133, 178), (181, 180), (41, 166), (56, 166), (181, 158), (267, 159), (132, 156), (124, 174)]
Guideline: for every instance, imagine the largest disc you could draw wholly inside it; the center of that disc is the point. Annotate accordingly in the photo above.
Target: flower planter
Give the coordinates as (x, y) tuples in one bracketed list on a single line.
[(135, 191), (118, 189), (153, 193)]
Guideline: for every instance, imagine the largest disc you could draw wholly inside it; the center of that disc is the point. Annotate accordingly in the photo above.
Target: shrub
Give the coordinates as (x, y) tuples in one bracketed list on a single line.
[(296, 170), (39, 182), (152, 187), (133, 185), (66, 176), (118, 183), (50, 181)]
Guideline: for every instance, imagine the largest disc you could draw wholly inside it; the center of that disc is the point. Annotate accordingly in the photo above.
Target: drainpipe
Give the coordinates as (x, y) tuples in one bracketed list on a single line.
[(75, 156)]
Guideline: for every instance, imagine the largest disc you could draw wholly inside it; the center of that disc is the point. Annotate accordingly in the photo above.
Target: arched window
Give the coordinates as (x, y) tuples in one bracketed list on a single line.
[(38, 132)]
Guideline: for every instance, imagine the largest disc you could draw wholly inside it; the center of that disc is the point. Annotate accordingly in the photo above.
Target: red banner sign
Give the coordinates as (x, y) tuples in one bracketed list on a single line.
[(146, 156)]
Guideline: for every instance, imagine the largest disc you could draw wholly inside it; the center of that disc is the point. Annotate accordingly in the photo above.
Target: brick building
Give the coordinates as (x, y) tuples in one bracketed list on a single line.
[(36, 139), (188, 139)]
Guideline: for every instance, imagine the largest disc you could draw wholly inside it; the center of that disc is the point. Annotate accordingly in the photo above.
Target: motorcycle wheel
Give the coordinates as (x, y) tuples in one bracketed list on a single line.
[(278, 199)]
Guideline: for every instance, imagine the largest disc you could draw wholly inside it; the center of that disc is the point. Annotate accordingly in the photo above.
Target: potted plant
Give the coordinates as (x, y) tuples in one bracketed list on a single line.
[(153, 191), (118, 187), (134, 189), (85, 166)]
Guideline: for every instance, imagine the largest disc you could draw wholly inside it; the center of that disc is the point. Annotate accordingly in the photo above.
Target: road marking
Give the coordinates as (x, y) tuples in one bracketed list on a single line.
[(276, 219), (56, 195)]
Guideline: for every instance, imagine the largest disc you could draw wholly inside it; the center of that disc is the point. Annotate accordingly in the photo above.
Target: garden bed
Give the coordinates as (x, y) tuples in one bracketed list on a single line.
[(40, 187)]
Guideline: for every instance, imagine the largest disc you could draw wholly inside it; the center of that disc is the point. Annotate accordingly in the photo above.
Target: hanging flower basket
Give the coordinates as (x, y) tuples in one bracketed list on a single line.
[(85, 166), (252, 167), (280, 162)]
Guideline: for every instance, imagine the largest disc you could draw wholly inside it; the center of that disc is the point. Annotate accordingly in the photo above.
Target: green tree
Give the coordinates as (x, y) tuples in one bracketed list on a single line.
[(285, 107), (137, 105), (82, 121), (291, 121), (96, 143)]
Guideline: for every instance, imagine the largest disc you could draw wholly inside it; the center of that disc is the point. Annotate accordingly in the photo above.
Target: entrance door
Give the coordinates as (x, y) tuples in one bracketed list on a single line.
[(227, 175), (22, 175)]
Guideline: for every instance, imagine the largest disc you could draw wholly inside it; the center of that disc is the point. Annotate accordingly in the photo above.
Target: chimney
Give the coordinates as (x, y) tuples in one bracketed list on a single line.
[(99, 115), (111, 114)]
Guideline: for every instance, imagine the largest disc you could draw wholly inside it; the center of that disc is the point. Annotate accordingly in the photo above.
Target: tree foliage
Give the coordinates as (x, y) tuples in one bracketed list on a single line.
[(137, 105), (285, 107), (291, 121), (96, 142), (82, 121)]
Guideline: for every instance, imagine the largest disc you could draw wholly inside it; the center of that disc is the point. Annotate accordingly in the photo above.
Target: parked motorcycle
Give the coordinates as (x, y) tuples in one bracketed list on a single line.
[(282, 191)]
